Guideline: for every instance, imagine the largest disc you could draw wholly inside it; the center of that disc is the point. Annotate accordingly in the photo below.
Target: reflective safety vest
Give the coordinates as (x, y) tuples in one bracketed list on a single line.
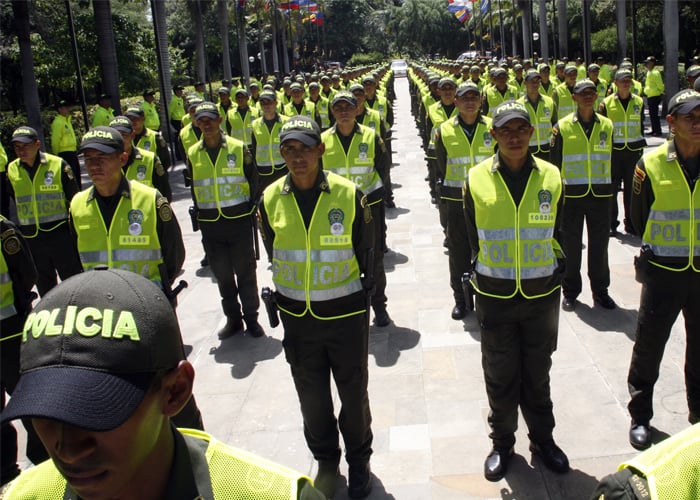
[(102, 116), (150, 111), (63, 135), (463, 155), (541, 119), (319, 263), (219, 185), (323, 108), (517, 249), (131, 242), (586, 162), (358, 164), (7, 295), (242, 128), (373, 120), (437, 115), (176, 108), (267, 145), (233, 474), (380, 104), (565, 102), (627, 123), (673, 227), (601, 88), (187, 136), (671, 467), (309, 109), (494, 97), (149, 141), (42, 200), (141, 169)]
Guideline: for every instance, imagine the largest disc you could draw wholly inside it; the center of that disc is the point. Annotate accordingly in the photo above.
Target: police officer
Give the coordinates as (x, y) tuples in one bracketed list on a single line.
[(460, 143), (141, 165), (146, 138), (581, 148), (240, 118), (103, 113), (176, 108), (225, 105), (4, 198), (358, 153), (512, 205), (543, 114), (654, 91), (63, 140), (499, 92), (626, 111), (150, 110), (225, 187), (439, 112), (42, 186), (322, 105), (315, 223), (563, 93), (266, 140), (17, 278), (664, 208), (102, 394)]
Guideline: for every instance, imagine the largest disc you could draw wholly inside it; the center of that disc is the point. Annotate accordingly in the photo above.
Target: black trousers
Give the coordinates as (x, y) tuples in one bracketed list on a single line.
[(379, 297), (518, 337), (596, 213), (317, 350), (71, 158), (54, 252), (623, 163), (665, 294), (458, 246), (229, 247), (653, 105)]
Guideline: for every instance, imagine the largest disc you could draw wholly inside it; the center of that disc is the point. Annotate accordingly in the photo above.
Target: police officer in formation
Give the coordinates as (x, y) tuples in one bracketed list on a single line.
[(42, 186), (664, 210), (102, 398), (63, 140), (626, 111), (512, 205), (581, 148), (103, 113), (543, 114), (225, 187), (438, 112), (654, 91), (461, 142), (265, 146), (318, 232), (146, 138)]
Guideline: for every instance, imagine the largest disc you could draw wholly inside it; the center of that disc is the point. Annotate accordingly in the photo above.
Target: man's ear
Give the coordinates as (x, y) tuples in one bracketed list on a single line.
[(177, 388)]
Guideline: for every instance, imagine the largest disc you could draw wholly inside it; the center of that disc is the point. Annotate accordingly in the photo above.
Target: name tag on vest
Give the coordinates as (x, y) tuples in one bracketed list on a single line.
[(134, 240)]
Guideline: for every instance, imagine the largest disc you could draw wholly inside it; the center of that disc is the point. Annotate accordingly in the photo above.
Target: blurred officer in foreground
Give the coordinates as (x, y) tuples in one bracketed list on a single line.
[(318, 232), (42, 186), (512, 204), (101, 394), (63, 140), (17, 278), (665, 207), (668, 471)]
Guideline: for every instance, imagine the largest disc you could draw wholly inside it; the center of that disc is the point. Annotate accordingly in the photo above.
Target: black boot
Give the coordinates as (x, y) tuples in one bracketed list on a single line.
[(254, 329)]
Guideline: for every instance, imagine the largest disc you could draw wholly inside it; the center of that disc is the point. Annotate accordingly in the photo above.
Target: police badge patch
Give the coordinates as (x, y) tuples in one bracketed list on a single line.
[(545, 198), (164, 211), (335, 217), (69, 172), (135, 220), (10, 242), (364, 147), (487, 139), (48, 178), (231, 160), (603, 137), (141, 172)]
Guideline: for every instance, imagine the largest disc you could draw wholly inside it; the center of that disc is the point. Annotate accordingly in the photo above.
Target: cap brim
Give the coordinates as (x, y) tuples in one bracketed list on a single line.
[(579, 90), (24, 139), (84, 398), (506, 117), (207, 114), (104, 148), (685, 108), (302, 137)]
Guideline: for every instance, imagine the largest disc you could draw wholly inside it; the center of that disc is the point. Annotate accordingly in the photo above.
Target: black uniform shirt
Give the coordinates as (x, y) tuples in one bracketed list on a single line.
[(20, 265)]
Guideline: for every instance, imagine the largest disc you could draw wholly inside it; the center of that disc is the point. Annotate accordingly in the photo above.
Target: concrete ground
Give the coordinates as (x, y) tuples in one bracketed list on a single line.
[(426, 386)]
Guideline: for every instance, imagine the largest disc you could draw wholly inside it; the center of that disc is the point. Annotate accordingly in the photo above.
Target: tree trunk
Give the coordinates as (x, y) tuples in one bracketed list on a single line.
[(544, 32), (222, 6), (201, 70), (243, 46), (621, 29), (20, 9), (671, 48), (160, 28), (563, 29), (107, 51), (525, 16)]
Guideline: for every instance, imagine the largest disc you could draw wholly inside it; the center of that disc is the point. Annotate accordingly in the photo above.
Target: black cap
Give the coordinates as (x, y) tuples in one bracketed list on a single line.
[(314, 85), (198, 84), (296, 86), (356, 87), (91, 347), (301, 128), (62, 103), (650, 59), (206, 109), (241, 91), (268, 95), (582, 85), (122, 124), (623, 73), (496, 72), (104, 97), (104, 139), (532, 73), (344, 95), (178, 87), (25, 135), (224, 90), (467, 87), (134, 111), (507, 111), (693, 71), (570, 69), (593, 67), (684, 102), (193, 100), (148, 92), (368, 79), (446, 80)]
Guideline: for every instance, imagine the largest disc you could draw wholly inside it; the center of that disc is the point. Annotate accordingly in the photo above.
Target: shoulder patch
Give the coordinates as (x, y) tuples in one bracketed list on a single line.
[(68, 171), (160, 171), (10, 242), (164, 211), (366, 210), (639, 176)]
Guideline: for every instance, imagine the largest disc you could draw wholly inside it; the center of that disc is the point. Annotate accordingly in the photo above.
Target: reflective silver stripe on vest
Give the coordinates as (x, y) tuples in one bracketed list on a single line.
[(668, 251), (505, 273), (575, 158), (456, 183), (135, 255), (23, 199), (96, 256), (536, 233), (5, 278), (7, 311), (331, 255), (458, 160), (681, 214), (496, 234), (320, 295), (49, 196), (290, 255), (373, 187), (529, 273)]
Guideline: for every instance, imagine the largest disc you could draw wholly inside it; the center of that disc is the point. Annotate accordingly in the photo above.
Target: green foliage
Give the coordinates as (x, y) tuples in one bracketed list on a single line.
[(366, 59)]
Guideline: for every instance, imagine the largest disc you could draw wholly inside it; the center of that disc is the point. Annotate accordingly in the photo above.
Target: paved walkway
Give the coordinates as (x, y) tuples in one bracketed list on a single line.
[(426, 387)]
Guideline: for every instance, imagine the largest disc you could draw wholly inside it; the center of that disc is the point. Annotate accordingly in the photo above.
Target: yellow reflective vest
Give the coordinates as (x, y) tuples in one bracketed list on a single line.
[(223, 184), (187, 136), (494, 96), (42, 200), (323, 108), (234, 474), (131, 242), (672, 229), (462, 155), (309, 109), (267, 145), (541, 119), (141, 169), (150, 111), (319, 263), (149, 141), (62, 135), (7, 294), (627, 123), (358, 164), (242, 128), (565, 102), (517, 248), (437, 116), (585, 166)]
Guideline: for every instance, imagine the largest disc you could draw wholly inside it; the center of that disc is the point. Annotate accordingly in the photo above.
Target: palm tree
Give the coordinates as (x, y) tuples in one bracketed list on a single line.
[(563, 28), (222, 11), (20, 9), (196, 11), (107, 50), (621, 28), (670, 47)]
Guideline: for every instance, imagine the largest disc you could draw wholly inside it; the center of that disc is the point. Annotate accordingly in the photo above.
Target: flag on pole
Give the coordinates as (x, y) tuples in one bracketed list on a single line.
[(485, 7), (462, 15)]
